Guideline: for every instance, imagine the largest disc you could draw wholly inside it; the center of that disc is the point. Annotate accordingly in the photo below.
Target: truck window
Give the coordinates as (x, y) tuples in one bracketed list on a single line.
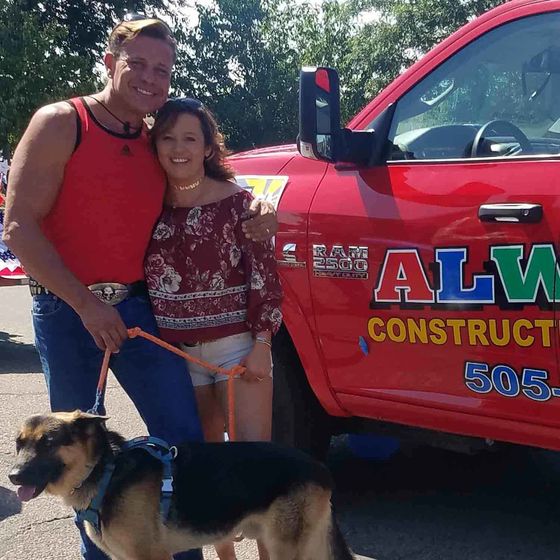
[(510, 74)]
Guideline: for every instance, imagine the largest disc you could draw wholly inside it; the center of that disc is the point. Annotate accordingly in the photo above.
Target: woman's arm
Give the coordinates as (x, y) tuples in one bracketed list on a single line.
[(263, 304)]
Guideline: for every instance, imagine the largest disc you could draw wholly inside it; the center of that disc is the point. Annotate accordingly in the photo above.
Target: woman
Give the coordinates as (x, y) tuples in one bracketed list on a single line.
[(213, 291)]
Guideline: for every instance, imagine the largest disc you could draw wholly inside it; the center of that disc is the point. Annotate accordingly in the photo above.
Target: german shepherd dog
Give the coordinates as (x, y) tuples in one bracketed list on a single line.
[(221, 491)]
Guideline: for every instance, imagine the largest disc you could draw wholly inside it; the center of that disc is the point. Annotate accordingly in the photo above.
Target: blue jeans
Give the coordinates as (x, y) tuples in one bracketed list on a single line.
[(156, 380)]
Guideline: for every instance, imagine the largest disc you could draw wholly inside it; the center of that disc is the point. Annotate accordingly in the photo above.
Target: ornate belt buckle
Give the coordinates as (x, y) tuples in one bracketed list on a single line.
[(109, 292)]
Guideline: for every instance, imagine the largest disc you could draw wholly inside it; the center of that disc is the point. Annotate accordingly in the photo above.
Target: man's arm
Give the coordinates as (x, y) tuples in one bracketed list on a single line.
[(35, 178)]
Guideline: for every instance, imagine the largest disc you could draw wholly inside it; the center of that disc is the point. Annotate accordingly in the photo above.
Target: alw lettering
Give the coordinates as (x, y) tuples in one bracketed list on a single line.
[(403, 279), (452, 288), (522, 286)]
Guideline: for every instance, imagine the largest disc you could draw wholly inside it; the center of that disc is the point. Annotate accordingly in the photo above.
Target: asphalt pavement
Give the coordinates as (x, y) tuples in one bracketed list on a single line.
[(43, 528), (422, 504)]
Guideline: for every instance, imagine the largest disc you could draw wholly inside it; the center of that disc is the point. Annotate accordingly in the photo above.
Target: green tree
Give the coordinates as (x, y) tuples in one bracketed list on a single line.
[(49, 50), (241, 62), (31, 71), (397, 34), (326, 38), (242, 59)]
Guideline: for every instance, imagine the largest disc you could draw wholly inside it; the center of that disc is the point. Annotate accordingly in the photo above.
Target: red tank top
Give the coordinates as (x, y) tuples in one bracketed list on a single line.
[(111, 195)]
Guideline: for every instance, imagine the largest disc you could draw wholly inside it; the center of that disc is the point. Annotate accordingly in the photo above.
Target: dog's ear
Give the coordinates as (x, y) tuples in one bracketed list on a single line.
[(86, 422)]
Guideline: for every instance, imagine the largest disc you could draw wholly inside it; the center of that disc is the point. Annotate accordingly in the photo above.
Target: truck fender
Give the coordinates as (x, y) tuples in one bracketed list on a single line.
[(300, 333)]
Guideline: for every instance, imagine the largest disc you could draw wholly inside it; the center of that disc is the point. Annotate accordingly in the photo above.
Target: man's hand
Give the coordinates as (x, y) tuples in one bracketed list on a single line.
[(104, 323), (264, 225)]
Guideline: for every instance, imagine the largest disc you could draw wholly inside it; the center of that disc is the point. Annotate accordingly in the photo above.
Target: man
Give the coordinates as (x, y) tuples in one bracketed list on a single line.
[(83, 196)]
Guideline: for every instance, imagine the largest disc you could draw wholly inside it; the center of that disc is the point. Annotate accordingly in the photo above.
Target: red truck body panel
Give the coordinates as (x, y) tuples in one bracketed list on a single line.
[(402, 303)]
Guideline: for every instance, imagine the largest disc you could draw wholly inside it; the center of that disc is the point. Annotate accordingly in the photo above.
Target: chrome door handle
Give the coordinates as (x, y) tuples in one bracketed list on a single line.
[(511, 212)]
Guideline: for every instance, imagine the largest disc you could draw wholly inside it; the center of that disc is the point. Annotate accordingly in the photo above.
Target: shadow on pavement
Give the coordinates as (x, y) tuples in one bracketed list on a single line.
[(432, 504), (17, 357), (10, 504)]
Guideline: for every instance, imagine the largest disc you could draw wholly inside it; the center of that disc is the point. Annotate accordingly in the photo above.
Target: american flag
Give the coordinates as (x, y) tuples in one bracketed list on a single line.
[(10, 266)]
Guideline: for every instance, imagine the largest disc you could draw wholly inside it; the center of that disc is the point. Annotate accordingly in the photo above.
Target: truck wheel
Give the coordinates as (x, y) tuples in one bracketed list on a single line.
[(298, 420)]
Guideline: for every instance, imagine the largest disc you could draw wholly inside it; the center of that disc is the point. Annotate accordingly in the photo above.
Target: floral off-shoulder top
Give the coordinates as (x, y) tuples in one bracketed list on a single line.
[(206, 280)]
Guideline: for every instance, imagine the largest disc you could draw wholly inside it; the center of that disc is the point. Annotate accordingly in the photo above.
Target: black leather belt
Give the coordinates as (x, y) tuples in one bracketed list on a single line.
[(108, 292)]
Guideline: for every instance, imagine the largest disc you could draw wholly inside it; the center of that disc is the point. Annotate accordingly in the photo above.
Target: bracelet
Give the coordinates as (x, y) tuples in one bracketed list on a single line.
[(263, 340)]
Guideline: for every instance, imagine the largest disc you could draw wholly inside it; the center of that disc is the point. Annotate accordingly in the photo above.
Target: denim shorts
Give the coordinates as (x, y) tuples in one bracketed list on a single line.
[(224, 352)]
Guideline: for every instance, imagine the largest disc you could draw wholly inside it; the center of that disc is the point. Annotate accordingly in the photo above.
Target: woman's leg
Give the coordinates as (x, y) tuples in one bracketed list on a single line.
[(253, 408), (253, 403), (213, 424), (253, 419), (210, 413), (225, 550), (263, 553)]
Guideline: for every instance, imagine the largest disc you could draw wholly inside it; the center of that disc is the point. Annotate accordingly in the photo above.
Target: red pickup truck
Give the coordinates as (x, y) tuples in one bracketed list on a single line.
[(418, 247)]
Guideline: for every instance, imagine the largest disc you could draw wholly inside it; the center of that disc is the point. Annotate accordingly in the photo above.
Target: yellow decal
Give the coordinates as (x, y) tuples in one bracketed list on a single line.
[(267, 187), (473, 332)]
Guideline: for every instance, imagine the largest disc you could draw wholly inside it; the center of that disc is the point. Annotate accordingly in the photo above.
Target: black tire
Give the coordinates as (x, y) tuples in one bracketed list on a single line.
[(298, 420)]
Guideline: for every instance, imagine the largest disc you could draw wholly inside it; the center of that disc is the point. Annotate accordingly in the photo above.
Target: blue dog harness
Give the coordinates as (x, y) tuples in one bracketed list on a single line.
[(156, 448)]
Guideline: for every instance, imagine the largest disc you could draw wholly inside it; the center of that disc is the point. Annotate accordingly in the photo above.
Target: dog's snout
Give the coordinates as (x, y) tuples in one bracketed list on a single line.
[(15, 476)]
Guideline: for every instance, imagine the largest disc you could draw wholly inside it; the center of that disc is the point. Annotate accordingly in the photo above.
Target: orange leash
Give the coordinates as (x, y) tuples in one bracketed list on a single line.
[(231, 373)]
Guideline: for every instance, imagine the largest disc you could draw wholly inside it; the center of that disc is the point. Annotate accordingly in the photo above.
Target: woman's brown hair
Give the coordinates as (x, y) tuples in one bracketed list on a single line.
[(215, 165)]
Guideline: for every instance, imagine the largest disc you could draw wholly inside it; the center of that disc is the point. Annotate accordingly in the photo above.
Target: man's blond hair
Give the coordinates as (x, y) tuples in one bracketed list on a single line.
[(126, 31)]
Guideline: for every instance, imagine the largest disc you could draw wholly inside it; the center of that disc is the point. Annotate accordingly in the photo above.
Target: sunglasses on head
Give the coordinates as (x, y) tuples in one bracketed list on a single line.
[(189, 102), (177, 103), (134, 16)]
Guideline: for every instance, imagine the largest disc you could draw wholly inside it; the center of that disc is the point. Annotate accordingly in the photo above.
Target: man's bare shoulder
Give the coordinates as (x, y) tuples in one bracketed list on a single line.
[(54, 121), (46, 145), (54, 115)]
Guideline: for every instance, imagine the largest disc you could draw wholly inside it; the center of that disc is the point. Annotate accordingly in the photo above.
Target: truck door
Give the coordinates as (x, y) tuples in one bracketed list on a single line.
[(434, 275)]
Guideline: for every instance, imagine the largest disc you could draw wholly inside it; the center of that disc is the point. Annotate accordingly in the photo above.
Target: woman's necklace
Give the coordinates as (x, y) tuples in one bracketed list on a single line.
[(188, 187), (127, 127)]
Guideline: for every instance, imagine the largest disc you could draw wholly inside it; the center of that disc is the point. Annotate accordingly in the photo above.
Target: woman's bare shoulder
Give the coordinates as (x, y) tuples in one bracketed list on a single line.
[(230, 187)]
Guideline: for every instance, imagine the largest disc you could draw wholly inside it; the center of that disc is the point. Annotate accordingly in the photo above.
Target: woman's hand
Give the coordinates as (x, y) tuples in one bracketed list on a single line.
[(264, 225), (258, 363)]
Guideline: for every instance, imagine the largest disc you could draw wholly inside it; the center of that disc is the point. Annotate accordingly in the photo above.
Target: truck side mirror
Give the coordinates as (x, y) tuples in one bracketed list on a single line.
[(320, 136), (319, 113)]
